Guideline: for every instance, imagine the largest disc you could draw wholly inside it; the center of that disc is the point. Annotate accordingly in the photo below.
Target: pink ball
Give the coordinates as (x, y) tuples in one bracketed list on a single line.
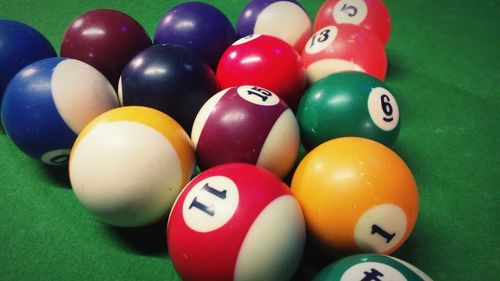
[(369, 14), (344, 47)]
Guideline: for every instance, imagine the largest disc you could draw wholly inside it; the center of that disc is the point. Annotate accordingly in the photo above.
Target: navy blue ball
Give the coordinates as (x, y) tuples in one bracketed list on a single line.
[(200, 27), (169, 78), (48, 102), (20, 45)]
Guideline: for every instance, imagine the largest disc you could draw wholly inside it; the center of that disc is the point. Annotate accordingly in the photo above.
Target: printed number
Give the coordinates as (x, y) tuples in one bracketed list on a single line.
[(322, 37), (372, 275), (349, 10), (209, 210), (385, 102), (59, 160), (378, 230), (261, 93)]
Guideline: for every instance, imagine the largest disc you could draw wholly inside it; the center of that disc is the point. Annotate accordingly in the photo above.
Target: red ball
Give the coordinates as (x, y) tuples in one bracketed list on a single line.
[(247, 124), (106, 39), (344, 47), (369, 14), (236, 222), (264, 61)]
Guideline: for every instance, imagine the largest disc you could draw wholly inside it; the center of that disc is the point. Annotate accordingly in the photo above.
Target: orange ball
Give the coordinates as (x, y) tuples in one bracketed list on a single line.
[(357, 195)]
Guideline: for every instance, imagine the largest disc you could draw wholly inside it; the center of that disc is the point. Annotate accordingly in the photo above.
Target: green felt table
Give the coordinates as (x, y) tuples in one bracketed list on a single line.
[(444, 62)]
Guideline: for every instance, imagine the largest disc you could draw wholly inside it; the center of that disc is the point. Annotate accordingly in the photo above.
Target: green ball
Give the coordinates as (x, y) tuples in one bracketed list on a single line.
[(371, 267), (348, 104)]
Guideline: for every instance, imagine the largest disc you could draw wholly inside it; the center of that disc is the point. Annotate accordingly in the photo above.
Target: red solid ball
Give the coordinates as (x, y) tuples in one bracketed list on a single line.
[(344, 47), (372, 15), (236, 222), (264, 61)]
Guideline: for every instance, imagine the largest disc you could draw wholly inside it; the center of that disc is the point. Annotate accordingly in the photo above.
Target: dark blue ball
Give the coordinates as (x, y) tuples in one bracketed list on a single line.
[(200, 27), (169, 78), (20, 45)]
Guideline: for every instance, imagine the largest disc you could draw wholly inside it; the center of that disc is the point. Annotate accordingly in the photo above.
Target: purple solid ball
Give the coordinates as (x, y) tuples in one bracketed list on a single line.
[(200, 27)]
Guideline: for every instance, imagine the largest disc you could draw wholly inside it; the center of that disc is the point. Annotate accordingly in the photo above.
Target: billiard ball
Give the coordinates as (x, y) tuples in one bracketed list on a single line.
[(348, 104), (106, 39), (264, 61), (357, 195), (286, 20), (168, 78), (49, 102), (236, 222), (372, 15), (128, 165), (20, 45), (371, 267), (246, 124), (200, 27), (344, 47)]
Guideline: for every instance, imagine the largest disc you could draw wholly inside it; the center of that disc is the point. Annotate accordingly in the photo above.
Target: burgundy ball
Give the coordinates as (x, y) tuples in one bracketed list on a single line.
[(106, 39), (246, 124)]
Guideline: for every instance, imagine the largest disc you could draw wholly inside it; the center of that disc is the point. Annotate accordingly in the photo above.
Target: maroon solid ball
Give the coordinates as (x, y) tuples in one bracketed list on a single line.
[(106, 39)]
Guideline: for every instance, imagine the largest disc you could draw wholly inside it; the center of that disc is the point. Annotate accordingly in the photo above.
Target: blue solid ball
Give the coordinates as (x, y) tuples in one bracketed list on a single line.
[(20, 45), (48, 103), (200, 27)]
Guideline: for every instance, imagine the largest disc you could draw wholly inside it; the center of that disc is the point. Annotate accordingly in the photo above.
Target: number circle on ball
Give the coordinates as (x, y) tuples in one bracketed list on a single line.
[(350, 11), (383, 109), (258, 95), (380, 228), (210, 204), (321, 40)]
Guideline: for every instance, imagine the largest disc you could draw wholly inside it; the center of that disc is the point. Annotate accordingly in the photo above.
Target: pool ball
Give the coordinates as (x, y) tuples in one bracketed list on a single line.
[(370, 14), (344, 47), (246, 124), (168, 78), (371, 267), (264, 61), (49, 102), (106, 39), (200, 27), (357, 195), (348, 104), (236, 222), (286, 20), (128, 165), (20, 45)]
